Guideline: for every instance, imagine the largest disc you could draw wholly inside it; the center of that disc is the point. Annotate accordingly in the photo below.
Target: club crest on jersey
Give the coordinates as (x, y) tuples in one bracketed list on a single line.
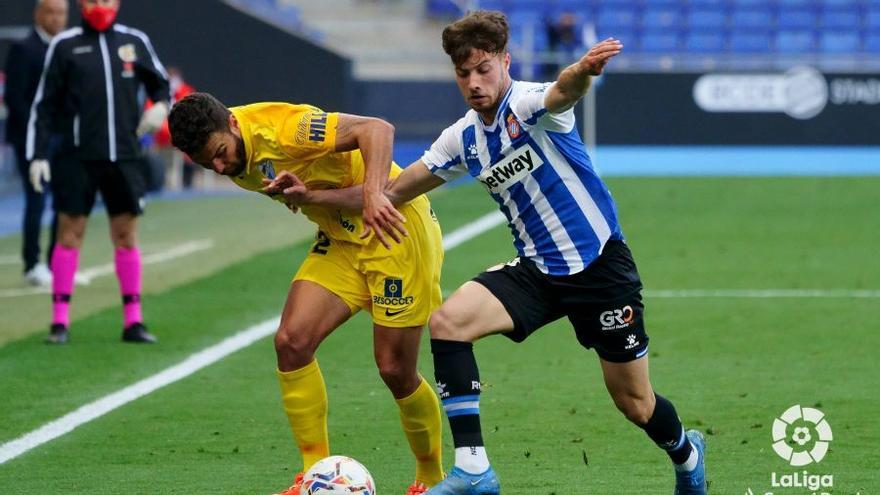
[(127, 53), (514, 128), (267, 168), (512, 169)]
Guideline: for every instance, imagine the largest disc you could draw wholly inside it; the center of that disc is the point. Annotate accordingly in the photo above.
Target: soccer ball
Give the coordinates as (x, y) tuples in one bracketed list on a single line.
[(338, 474)]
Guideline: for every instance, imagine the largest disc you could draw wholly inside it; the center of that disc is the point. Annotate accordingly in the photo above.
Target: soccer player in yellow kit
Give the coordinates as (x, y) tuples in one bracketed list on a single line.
[(347, 269)]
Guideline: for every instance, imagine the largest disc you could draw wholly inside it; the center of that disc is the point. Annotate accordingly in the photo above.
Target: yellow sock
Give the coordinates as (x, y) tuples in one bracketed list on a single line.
[(420, 416), (305, 402)]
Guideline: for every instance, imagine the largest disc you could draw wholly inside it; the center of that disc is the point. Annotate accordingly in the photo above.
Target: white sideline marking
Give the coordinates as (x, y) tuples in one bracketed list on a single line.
[(473, 229), (27, 291), (753, 294), (162, 256), (86, 276), (491, 220), (102, 406), (190, 365), (10, 259), (765, 293)]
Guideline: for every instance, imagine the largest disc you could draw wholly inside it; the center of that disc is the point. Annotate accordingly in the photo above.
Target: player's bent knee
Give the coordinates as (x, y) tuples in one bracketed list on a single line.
[(443, 326), (71, 233), (392, 372), (125, 240), (400, 379), (70, 242), (291, 347)]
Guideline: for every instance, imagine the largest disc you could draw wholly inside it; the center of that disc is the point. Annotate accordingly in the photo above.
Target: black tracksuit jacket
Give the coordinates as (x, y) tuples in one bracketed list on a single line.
[(97, 77)]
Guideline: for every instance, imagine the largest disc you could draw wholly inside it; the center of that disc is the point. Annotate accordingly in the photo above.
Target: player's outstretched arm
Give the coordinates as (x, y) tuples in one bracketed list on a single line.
[(412, 182), (375, 139), (574, 80), (296, 194)]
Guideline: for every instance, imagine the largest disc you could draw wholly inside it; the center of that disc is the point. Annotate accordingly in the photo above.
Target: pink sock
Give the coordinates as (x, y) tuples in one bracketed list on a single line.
[(64, 261), (128, 271)]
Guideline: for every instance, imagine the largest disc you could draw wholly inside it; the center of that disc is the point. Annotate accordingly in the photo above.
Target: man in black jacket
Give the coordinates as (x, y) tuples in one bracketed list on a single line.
[(95, 72), (24, 65)]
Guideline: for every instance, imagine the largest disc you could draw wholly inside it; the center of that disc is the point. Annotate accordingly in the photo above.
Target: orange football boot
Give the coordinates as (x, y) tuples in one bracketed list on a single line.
[(417, 488), (297, 484)]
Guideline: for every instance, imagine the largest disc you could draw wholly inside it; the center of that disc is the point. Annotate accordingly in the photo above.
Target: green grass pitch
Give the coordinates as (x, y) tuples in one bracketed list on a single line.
[(730, 364)]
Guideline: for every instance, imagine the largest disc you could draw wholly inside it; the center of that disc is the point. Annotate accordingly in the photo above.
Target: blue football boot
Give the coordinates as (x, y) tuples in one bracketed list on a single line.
[(693, 482), (459, 482)]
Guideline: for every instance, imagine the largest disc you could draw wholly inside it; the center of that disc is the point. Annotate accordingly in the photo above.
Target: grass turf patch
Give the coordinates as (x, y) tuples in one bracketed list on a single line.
[(730, 365)]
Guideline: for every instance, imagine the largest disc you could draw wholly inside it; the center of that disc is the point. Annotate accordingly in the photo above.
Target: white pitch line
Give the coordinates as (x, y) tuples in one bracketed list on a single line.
[(190, 365), (765, 293), (102, 406), (473, 229), (245, 338), (86, 276), (162, 256), (753, 294), (26, 291)]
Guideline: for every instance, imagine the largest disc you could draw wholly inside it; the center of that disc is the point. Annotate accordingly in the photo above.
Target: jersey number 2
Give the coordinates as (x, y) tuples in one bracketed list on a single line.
[(322, 242)]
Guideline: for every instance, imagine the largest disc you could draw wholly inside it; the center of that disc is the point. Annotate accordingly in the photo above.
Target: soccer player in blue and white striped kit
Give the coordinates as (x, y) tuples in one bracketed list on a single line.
[(520, 140)]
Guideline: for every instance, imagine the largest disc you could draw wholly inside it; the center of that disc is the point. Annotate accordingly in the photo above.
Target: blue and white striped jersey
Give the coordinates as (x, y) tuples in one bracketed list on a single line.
[(533, 163)]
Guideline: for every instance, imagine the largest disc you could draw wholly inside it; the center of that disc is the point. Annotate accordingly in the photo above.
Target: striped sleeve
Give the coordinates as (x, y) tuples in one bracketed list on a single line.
[(529, 106), (444, 157)]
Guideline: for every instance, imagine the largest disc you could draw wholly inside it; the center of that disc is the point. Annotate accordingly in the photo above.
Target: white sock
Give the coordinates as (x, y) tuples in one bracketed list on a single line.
[(691, 463), (472, 460)]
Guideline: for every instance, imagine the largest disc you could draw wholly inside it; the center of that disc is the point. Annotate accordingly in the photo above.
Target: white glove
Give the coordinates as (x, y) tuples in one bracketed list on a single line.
[(152, 119), (39, 173)]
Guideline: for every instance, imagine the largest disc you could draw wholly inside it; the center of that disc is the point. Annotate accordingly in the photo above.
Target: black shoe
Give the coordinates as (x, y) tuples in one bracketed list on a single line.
[(137, 332), (58, 334)]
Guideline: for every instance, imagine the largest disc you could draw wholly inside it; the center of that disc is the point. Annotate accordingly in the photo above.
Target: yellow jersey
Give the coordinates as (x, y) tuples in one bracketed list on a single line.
[(301, 139)]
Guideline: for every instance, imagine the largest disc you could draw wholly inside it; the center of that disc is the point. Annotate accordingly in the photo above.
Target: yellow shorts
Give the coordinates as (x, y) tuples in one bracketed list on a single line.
[(400, 286)]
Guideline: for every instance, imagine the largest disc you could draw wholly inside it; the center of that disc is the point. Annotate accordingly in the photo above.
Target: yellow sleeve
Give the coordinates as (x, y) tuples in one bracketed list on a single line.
[(308, 132)]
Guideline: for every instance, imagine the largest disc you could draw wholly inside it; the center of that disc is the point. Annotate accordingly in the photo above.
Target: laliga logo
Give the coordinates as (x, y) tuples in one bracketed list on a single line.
[(806, 422)]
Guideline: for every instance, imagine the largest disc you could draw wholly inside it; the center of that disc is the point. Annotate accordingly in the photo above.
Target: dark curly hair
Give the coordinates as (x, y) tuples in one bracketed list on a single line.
[(485, 30), (193, 119)]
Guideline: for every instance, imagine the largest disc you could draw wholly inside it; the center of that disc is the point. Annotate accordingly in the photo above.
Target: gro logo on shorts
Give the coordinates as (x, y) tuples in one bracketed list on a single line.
[(796, 429), (616, 318)]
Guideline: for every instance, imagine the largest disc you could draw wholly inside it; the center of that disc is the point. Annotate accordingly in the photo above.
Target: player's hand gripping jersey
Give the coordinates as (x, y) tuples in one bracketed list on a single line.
[(400, 286), (301, 139)]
